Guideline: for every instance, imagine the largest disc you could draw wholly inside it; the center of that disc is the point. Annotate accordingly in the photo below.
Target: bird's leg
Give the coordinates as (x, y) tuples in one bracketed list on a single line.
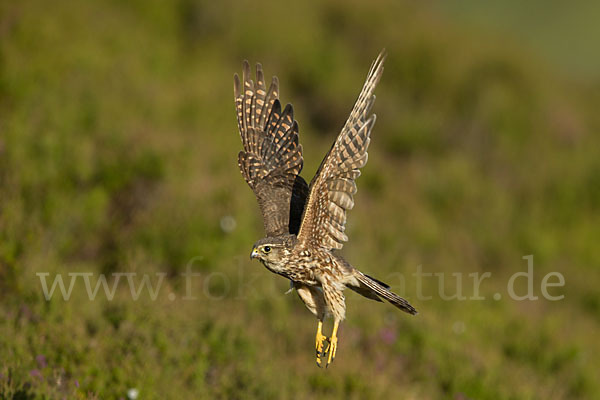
[(320, 343), (333, 343)]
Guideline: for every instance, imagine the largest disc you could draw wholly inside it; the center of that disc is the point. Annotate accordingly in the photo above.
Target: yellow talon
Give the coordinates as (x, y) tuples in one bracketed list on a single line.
[(332, 344), (320, 346)]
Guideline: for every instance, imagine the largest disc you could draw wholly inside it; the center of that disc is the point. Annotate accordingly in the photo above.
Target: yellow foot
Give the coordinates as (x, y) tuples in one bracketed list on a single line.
[(332, 349), (333, 344), (322, 346), (321, 343)]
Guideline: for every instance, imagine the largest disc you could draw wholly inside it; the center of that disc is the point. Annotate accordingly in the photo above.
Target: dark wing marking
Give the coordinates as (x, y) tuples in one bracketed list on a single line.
[(272, 158), (333, 186)]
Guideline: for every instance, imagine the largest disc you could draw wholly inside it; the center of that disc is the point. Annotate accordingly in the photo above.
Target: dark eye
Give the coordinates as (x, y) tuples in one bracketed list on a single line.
[(266, 249)]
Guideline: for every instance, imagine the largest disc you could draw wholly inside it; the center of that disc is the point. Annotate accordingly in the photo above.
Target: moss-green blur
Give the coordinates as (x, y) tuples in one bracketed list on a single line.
[(118, 154)]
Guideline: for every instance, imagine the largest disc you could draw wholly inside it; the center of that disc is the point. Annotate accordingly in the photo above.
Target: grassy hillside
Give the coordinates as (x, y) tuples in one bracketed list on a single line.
[(118, 147)]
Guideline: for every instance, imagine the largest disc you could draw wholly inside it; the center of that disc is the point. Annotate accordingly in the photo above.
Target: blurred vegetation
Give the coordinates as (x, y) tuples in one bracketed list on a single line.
[(118, 146)]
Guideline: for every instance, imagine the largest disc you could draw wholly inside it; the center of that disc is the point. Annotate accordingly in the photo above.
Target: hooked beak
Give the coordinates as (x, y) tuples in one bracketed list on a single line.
[(254, 253)]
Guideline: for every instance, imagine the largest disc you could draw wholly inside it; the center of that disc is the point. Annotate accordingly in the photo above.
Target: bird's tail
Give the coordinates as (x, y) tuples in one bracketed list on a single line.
[(380, 289)]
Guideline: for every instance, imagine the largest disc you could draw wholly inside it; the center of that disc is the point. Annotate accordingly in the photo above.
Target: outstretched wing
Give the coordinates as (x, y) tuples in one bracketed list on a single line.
[(333, 186), (272, 158)]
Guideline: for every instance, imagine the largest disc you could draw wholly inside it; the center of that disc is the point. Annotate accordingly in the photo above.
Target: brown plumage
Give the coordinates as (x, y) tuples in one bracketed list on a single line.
[(272, 158), (303, 224)]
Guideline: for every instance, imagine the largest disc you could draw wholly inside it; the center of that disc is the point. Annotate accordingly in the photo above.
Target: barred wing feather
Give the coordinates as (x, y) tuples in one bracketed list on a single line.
[(332, 188)]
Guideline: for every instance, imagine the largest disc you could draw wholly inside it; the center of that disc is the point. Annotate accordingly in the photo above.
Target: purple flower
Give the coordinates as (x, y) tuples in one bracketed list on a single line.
[(36, 373), (41, 361), (388, 335), (76, 383)]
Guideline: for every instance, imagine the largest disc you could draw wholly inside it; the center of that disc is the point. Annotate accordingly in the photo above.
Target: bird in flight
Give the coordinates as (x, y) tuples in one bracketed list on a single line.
[(305, 224)]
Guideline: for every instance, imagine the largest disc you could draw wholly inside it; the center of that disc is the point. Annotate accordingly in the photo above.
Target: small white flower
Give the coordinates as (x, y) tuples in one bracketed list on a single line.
[(228, 224), (132, 394)]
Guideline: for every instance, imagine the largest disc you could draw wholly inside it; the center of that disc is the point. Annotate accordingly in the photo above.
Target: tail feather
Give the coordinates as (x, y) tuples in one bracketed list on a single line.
[(385, 285), (382, 290)]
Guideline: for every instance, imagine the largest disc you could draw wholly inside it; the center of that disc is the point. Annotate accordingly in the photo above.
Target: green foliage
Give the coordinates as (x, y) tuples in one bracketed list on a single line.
[(118, 154)]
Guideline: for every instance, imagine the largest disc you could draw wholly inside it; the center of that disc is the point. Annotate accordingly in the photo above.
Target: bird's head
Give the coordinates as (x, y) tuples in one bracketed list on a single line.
[(270, 250)]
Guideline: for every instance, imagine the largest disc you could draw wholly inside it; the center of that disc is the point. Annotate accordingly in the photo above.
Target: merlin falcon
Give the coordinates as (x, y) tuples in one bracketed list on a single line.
[(305, 224)]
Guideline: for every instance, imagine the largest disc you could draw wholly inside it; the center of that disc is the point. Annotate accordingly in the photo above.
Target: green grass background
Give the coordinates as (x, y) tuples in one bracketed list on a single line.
[(118, 146)]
